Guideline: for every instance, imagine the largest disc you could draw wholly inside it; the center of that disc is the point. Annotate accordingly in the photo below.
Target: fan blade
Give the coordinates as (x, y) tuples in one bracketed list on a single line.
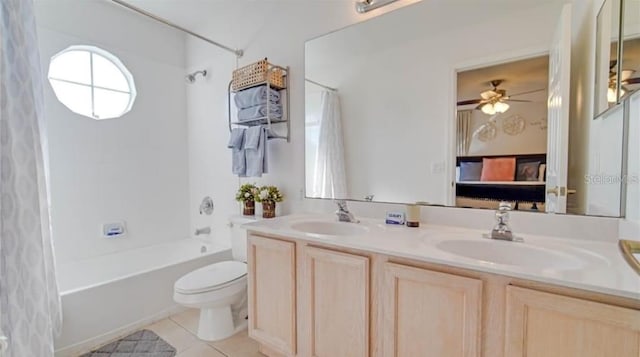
[(471, 101), (635, 80), (518, 100), (626, 74), (527, 92)]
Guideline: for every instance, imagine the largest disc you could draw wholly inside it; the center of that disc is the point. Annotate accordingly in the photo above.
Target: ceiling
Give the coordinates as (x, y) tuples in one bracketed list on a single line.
[(518, 77), (196, 13)]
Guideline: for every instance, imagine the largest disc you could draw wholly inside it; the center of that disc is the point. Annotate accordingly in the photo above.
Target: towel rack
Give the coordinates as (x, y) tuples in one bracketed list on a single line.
[(266, 120)]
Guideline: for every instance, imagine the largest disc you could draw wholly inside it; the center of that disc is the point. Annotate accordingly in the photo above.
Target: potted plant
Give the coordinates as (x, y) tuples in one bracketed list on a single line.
[(268, 196), (247, 195)]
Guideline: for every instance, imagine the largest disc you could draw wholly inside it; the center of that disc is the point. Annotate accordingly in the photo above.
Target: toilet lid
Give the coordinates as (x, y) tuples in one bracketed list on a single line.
[(211, 276)]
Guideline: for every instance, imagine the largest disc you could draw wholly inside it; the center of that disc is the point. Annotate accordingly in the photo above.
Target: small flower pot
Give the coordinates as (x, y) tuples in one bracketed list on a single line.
[(249, 208), (268, 209)]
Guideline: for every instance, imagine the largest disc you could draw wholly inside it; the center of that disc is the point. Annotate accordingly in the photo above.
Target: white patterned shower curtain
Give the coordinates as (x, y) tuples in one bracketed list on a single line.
[(30, 313), (330, 179)]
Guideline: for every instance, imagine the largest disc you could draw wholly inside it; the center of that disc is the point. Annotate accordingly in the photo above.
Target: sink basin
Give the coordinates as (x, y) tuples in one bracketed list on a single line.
[(512, 253), (330, 228)]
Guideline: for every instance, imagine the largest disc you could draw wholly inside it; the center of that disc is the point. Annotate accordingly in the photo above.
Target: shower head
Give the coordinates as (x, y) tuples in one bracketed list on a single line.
[(191, 78)]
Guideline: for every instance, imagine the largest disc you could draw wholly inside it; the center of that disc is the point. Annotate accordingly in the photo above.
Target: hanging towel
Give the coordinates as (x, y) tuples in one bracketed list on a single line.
[(238, 161), (255, 96), (255, 148), (260, 111)]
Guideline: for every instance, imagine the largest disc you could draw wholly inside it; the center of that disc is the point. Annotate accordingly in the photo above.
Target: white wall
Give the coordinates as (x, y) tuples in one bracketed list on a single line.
[(630, 226), (582, 94), (533, 140), (591, 140), (133, 168), (603, 177), (208, 133)]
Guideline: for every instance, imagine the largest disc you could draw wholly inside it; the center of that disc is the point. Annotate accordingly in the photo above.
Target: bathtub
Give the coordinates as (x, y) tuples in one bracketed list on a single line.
[(112, 295)]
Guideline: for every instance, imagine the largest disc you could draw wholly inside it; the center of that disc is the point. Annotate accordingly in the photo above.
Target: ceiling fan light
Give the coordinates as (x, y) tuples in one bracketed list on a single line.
[(611, 95), (488, 109), (501, 107)]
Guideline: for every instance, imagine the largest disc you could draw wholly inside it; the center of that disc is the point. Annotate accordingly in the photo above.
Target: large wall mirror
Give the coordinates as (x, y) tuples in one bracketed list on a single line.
[(434, 104)]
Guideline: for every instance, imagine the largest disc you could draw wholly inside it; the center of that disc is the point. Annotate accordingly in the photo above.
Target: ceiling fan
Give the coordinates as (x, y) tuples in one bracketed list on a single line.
[(625, 80), (494, 100)]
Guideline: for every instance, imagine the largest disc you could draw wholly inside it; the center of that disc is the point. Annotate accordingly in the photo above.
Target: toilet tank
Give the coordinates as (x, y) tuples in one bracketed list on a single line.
[(239, 237)]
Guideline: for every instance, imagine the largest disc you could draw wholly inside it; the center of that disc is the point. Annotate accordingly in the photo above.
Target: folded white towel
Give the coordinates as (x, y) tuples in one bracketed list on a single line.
[(260, 111), (255, 96)]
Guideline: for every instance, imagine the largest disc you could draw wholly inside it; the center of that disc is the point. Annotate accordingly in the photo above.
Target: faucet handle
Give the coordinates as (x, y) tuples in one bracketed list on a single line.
[(502, 214), (342, 205)]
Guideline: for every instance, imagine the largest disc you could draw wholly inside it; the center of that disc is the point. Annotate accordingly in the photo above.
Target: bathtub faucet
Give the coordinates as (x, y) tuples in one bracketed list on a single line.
[(204, 230)]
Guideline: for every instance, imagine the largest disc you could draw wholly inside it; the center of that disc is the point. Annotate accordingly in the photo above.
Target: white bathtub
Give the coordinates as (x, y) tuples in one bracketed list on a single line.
[(112, 295)]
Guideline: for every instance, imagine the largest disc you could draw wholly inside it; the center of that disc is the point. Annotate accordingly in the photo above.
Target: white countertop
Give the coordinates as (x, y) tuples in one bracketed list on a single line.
[(602, 267)]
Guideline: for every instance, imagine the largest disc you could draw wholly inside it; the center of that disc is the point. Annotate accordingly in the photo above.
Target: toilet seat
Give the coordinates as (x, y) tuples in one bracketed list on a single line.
[(211, 278)]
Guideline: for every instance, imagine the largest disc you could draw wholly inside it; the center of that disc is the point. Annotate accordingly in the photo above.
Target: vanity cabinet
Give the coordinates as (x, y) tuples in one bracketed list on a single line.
[(271, 266), (427, 313), (308, 299), (551, 325), (335, 298)]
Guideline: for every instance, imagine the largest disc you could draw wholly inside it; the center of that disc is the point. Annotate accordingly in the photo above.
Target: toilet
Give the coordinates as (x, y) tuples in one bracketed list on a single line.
[(219, 290)]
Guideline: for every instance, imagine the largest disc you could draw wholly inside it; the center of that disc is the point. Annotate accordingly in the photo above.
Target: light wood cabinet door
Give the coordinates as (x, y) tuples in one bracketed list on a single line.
[(336, 298), (430, 314), (548, 325), (272, 293)]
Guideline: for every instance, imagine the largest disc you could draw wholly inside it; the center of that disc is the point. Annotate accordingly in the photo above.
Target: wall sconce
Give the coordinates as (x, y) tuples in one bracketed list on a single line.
[(368, 5)]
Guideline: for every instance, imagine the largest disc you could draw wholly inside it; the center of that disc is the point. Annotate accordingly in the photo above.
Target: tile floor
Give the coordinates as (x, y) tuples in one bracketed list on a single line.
[(180, 331)]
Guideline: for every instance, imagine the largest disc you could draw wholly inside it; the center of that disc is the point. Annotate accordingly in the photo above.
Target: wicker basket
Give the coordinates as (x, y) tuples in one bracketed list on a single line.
[(257, 73)]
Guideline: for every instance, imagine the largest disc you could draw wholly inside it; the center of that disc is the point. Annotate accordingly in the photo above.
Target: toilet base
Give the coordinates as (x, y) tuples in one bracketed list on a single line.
[(216, 323)]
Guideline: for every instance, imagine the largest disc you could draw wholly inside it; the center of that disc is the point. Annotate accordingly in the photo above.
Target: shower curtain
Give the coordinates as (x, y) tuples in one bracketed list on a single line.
[(330, 179), (30, 312)]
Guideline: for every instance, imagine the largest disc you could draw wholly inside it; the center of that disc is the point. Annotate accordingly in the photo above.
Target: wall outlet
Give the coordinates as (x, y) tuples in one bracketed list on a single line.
[(114, 230)]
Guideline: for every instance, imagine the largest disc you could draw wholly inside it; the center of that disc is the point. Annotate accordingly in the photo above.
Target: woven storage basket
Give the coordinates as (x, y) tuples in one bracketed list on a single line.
[(257, 73)]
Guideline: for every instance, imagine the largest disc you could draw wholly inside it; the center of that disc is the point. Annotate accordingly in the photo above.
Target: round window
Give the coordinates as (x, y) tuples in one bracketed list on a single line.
[(92, 82)]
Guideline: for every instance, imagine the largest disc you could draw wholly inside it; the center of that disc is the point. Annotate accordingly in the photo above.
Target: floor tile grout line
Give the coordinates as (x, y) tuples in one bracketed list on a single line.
[(215, 348), (179, 324), (191, 333)]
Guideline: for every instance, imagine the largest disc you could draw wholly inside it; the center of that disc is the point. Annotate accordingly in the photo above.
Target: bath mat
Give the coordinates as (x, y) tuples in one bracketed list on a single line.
[(143, 343)]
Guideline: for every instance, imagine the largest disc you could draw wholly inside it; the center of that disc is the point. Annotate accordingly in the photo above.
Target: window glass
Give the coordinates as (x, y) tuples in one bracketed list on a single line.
[(92, 82)]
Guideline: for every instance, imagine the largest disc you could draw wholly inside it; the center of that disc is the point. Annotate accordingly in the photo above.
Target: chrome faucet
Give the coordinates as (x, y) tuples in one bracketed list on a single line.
[(343, 212), (502, 230)]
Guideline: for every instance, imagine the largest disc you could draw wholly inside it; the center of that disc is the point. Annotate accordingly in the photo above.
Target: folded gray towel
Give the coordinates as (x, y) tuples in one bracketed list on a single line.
[(238, 160), (255, 148), (255, 96), (260, 111)]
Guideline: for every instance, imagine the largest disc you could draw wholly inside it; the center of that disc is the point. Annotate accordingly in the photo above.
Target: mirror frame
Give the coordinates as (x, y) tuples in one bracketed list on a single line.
[(597, 112)]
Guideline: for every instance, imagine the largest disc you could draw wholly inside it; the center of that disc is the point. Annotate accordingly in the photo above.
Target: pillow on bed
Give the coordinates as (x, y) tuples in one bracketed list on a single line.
[(470, 171), (500, 169), (528, 171)]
